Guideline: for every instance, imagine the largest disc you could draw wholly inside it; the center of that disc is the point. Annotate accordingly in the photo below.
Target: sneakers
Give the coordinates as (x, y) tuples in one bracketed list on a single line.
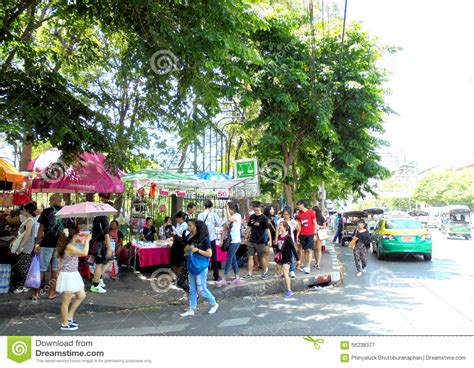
[(221, 282), (69, 327), (288, 294), (213, 309), (20, 290), (102, 284), (292, 274), (98, 289), (317, 266), (306, 270), (73, 323), (264, 276), (364, 270), (359, 274), (188, 313), (247, 276), (234, 282)]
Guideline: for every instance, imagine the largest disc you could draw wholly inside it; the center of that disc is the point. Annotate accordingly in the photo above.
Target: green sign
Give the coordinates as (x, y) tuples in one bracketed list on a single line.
[(19, 348), (245, 168)]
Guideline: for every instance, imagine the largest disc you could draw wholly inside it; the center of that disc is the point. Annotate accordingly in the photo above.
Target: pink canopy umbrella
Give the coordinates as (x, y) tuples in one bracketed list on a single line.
[(88, 176), (86, 210)]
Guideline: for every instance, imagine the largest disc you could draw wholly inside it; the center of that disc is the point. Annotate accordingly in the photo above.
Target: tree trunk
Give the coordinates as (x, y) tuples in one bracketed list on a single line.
[(182, 159), (26, 153)]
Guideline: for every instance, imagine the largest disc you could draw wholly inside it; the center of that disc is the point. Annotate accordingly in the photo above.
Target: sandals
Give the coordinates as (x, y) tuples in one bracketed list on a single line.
[(35, 298)]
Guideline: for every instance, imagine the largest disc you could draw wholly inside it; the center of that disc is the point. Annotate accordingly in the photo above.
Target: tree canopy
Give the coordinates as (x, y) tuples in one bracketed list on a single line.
[(122, 77)]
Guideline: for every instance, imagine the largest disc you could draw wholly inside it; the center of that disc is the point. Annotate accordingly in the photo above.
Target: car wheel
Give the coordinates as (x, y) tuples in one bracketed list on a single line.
[(374, 247), (380, 255), (427, 256), (467, 237)]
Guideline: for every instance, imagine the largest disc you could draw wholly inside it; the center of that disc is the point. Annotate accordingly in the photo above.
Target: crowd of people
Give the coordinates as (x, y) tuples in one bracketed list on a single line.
[(293, 237)]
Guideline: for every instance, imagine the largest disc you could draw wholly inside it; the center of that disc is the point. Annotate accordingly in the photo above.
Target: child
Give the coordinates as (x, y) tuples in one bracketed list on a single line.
[(71, 246), (286, 247)]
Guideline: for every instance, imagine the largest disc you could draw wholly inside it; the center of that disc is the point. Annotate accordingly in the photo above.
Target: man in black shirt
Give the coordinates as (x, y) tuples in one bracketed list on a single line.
[(46, 242), (101, 248), (259, 240)]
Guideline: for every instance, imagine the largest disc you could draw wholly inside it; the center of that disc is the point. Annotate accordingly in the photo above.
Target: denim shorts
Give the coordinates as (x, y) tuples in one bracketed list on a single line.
[(47, 257)]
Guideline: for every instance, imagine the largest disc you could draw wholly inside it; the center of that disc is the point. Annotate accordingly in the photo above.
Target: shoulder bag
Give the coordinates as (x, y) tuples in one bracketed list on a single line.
[(21, 234)]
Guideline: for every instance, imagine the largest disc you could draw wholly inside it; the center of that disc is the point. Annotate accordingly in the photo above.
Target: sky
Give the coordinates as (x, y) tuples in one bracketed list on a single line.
[(432, 79)]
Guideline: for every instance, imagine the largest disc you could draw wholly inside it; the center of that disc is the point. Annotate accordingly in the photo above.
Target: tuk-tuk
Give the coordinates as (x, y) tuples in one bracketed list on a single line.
[(373, 217), (456, 221), (349, 221), (421, 216)]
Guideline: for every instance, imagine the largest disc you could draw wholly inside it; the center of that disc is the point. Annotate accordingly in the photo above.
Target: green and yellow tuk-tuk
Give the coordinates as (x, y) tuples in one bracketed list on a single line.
[(456, 221)]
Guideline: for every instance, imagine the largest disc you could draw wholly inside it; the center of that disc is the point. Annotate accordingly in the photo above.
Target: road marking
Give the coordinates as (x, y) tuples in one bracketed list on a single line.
[(234, 322)]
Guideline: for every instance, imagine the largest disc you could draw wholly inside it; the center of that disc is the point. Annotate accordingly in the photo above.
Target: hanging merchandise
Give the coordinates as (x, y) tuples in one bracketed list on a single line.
[(141, 192), (180, 193), (164, 192), (152, 192), (6, 199), (22, 193)]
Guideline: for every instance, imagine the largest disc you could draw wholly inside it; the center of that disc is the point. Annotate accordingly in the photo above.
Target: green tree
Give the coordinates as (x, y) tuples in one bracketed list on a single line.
[(322, 131), (446, 188)]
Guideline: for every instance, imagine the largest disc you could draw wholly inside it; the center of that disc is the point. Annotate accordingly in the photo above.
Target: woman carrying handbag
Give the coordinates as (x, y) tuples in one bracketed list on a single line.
[(360, 243), (24, 246), (199, 254)]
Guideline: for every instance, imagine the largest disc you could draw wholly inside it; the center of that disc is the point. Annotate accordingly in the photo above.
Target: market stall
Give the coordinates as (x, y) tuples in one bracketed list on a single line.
[(152, 191)]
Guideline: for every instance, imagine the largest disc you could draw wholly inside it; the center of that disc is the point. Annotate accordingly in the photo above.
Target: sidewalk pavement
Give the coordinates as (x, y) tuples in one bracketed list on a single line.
[(134, 290)]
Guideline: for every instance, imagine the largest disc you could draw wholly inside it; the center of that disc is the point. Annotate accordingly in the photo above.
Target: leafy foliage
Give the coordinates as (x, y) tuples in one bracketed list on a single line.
[(446, 188)]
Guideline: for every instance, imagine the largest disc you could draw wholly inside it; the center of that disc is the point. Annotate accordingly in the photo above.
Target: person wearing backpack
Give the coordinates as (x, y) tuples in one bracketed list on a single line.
[(286, 251), (101, 248), (233, 231), (46, 243), (212, 220), (199, 253)]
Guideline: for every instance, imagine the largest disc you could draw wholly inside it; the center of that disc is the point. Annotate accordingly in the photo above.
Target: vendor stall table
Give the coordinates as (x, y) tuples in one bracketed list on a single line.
[(158, 253), (151, 253)]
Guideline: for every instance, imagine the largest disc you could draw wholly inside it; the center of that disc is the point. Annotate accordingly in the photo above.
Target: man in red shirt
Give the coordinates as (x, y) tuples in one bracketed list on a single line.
[(307, 220)]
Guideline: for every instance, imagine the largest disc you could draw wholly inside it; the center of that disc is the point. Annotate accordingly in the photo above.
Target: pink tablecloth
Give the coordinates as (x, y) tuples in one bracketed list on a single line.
[(153, 256)]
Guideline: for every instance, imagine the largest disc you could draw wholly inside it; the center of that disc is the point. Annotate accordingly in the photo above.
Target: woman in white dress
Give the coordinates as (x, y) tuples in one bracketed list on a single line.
[(71, 246)]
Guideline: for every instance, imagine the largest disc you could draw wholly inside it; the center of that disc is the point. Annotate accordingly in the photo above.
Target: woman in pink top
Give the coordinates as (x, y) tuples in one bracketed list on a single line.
[(71, 246)]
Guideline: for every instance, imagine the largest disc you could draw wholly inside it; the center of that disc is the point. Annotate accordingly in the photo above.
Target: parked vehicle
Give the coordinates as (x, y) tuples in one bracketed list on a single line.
[(349, 220), (456, 221), (421, 216), (433, 216), (401, 235)]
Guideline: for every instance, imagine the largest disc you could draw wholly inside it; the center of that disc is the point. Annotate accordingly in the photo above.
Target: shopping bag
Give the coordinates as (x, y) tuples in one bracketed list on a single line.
[(323, 234), (33, 279)]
